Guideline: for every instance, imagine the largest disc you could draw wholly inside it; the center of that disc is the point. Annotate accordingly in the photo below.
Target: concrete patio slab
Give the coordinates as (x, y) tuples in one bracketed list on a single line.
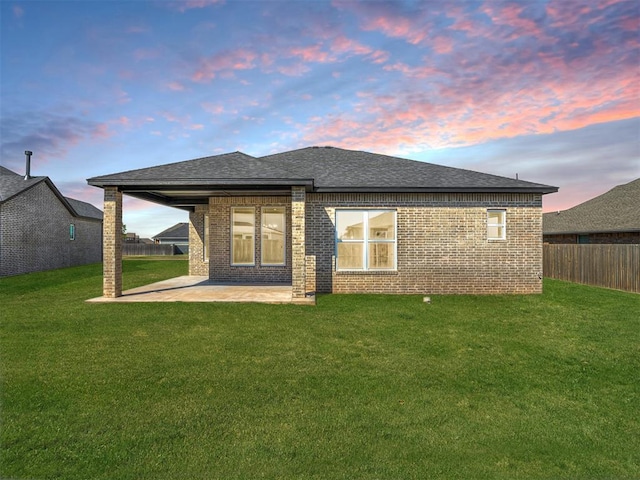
[(191, 288)]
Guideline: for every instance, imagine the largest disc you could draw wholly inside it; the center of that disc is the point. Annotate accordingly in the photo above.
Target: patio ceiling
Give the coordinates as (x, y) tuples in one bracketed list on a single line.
[(188, 199)]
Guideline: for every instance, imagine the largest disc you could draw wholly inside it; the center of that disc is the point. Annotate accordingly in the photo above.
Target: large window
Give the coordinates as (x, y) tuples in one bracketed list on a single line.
[(366, 240), (273, 236), (496, 224), (243, 236)]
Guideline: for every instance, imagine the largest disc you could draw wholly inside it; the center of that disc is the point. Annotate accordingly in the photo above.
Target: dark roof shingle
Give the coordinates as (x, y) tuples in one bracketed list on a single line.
[(325, 168), (12, 184), (179, 230), (617, 210)]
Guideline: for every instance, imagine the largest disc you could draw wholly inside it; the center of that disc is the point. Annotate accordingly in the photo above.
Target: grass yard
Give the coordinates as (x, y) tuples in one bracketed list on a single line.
[(357, 387)]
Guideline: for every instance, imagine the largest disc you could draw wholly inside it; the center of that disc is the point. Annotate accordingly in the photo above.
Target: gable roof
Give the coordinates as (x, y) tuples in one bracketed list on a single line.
[(13, 184), (614, 211), (318, 169), (179, 230)]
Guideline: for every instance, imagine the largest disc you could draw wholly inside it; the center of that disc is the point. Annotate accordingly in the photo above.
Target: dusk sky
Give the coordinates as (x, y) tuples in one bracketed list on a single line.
[(548, 90)]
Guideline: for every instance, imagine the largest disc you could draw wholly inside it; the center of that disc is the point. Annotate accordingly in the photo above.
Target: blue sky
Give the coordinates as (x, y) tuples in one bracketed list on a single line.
[(548, 90)]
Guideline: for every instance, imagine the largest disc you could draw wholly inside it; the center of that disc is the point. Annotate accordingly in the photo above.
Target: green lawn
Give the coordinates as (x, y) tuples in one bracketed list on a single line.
[(357, 387)]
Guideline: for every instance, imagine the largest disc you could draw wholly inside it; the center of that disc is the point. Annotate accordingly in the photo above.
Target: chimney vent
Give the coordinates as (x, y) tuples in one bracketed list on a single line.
[(27, 174)]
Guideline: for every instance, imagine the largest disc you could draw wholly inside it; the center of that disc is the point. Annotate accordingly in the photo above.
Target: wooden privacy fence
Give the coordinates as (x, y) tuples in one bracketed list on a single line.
[(603, 265), (145, 249)]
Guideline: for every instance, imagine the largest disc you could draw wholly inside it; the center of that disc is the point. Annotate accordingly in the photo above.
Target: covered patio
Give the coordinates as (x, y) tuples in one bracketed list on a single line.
[(198, 288), (217, 192)]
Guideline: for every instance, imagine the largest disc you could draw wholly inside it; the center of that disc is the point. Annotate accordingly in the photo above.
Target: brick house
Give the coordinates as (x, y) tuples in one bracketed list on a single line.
[(40, 229), (325, 219), (613, 217), (176, 235)]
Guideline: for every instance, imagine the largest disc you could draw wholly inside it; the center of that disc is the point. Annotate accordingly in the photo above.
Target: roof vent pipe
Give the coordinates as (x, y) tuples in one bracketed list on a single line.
[(27, 174)]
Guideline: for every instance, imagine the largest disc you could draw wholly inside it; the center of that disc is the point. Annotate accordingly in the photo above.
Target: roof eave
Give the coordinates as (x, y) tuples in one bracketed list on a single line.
[(196, 183), (539, 190)]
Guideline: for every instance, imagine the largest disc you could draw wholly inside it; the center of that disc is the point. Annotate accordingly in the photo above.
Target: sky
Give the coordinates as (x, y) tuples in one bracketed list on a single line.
[(546, 90)]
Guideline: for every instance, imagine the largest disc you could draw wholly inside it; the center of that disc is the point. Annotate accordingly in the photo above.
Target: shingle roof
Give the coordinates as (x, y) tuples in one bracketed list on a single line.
[(84, 209), (321, 169), (617, 210), (225, 169), (179, 230), (337, 169), (12, 184)]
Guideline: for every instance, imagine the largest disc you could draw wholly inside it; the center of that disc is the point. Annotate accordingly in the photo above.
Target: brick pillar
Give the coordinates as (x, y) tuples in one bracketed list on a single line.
[(298, 279), (197, 263), (112, 243)]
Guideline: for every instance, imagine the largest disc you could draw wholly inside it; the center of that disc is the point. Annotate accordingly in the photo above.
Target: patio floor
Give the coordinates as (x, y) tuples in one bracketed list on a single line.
[(190, 288)]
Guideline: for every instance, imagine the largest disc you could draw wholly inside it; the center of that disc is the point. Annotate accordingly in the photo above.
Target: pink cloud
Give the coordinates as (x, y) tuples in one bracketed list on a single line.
[(512, 15), (422, 71), (224, 62), (442, 45), (214, 109), (388, 19), (293, 70), (313, 53), (175, 86), (342, 44)]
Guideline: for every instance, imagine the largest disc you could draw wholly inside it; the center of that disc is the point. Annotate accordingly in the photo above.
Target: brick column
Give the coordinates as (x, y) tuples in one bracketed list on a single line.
[(298, 279), (197, 263), (112, 243)]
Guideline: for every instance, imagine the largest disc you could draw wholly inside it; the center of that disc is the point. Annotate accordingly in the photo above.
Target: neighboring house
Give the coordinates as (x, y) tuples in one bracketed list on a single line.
[(327, 219), (178, 236), (613, 217), (40, 229)]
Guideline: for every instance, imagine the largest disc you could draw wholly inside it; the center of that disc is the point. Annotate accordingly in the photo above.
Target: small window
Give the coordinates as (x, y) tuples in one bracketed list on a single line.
[(496, 224), (72, 231), (366, 240), (273, 235), (243, 230)]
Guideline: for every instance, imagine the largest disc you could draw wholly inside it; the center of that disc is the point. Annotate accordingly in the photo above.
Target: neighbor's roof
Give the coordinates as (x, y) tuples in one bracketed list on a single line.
[(179, 230), (13, 184), (319, 169), (617, 210)]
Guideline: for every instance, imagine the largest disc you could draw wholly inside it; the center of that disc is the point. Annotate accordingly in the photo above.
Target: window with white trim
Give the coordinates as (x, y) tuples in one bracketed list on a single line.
[(72, 231), (243, 228), (366, 240), (496, 224), (273, 235)]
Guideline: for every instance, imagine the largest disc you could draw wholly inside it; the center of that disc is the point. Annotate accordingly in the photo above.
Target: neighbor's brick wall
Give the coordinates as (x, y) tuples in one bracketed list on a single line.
[(220, 268), (34, 234), (442, 244)]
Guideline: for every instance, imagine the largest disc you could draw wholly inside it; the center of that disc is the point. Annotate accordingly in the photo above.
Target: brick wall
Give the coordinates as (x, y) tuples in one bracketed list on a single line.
[(442, 244), (220, 268), (34, 234)]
